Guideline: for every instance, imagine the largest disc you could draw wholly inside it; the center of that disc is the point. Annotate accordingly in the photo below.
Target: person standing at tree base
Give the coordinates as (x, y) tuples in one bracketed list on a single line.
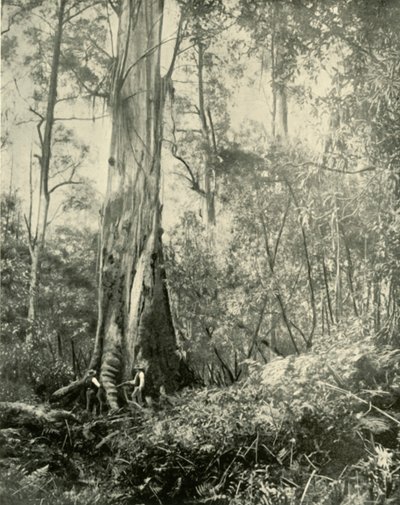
[(138, 383)]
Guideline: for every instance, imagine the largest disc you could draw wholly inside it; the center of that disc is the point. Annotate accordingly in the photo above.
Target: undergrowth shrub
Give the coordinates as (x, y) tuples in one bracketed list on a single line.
[(30, 370), (317, 428), (41, 487), (293, 426)]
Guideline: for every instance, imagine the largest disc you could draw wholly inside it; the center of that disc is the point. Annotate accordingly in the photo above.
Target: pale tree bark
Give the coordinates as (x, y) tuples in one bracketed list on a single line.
[(281, 128), (273, 77), (279, 122), (209, 177), (135, 324), (338, 273), (37, 242)]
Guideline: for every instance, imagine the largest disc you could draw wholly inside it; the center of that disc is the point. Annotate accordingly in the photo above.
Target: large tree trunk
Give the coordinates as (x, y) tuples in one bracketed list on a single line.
[(135, 324), (38, 242)]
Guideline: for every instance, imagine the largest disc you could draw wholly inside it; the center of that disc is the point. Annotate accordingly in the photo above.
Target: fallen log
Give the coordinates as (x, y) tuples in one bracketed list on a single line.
[(68, 393), (18, 414)]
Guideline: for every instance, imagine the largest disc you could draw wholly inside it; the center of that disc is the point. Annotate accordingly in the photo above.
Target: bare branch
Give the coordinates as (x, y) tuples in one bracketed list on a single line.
[(174, 150), (224, 365), (72, 166), (185, 130), (36, 113), (19, 92), (178, 41), (39, 130), (70, 180), (110, 28), (73, 118), (99, 48), (195, 185), (64, 183), (144, 55), (65, 99), (72, 16), (258, 327), (281, 230), (46, 21), (300, 331), (323, 167), (55, 214)]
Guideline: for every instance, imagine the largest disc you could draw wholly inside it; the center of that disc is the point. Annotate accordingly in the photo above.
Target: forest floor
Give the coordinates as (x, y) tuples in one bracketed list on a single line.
[(296, 431)]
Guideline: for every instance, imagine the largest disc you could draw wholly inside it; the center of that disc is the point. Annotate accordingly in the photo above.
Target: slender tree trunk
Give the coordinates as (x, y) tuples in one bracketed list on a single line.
[(75, 365), (273, 78), (377, 304), (328, 325), (366, 284), (135, 324), (11, 197), (277, 294), (38, 242), (338, 274), (282, 129), (279, 125), (36, 255), (310, 281), (209, 172), (17, 225), (350, 272), (326, 285)]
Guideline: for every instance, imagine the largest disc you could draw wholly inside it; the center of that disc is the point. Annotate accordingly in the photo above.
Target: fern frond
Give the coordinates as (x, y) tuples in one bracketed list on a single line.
[(375, 425)]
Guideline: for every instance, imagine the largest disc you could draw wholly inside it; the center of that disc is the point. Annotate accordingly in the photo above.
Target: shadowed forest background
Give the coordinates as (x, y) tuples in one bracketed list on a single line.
[(208, 191)]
